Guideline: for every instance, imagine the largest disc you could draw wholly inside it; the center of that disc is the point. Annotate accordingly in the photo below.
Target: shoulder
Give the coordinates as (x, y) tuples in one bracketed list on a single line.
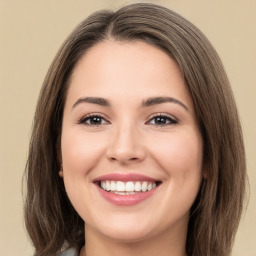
[(69, 252)]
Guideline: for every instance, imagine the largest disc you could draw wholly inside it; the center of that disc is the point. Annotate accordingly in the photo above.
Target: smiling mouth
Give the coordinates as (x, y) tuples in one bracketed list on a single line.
[(128, 187)]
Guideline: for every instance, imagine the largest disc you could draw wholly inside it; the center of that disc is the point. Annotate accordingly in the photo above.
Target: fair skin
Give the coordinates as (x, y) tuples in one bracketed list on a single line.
[(128, 112)]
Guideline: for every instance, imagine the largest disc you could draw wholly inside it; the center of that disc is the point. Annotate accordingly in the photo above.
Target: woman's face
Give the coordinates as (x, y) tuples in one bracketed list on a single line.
[(131, 146)]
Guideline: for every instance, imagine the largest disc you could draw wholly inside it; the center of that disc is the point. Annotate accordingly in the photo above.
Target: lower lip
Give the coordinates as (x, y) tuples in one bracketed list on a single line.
[(126, 200)]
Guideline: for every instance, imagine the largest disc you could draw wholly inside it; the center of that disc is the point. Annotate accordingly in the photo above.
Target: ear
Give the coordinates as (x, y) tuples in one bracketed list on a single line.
[(61, 174), (205, 174), (205, 170), (59, 157)]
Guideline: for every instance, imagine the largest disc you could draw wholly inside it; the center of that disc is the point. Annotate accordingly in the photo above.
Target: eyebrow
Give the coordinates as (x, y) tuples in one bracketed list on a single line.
[(94, 100), (159, 100), (145, 103)]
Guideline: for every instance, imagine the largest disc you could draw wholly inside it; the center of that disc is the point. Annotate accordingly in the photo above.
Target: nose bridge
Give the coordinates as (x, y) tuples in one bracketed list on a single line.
[(126, 143)]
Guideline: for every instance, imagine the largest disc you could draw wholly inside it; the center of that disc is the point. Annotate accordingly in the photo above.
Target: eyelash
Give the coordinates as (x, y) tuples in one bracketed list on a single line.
[(168, 118), (89, 117), (164, 117)]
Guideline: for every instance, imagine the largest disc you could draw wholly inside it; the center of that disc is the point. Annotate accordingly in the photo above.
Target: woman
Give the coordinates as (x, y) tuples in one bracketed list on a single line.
[(137, 146)]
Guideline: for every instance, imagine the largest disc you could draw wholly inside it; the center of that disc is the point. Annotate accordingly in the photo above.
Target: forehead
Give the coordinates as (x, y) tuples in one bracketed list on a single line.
[(127, 69), (114, 56)]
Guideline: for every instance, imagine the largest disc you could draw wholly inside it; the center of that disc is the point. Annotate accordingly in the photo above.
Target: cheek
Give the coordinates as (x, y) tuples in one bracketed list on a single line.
[(180, 154), (80, 151), (181, 159)]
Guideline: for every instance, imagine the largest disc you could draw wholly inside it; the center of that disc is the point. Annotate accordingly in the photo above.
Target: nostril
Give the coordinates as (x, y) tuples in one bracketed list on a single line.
[(132, 159)]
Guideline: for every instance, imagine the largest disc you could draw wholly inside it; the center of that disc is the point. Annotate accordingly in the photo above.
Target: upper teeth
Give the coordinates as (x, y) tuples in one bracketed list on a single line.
[(130, 186)]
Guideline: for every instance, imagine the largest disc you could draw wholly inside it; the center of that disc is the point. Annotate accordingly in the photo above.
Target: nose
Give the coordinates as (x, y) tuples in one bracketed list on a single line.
[(126, 146)]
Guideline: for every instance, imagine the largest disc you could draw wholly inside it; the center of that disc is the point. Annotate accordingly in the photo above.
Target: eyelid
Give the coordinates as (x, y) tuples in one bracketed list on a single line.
[(161, 114), (173, 119), (82, 119)]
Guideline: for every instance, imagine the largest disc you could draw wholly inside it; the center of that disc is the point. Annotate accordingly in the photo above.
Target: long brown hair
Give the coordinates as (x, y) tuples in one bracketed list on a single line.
[(51, 221)]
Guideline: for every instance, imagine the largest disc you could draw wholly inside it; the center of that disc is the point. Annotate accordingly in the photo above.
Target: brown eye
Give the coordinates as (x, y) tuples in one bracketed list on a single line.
[(93, 120), (162, 120)]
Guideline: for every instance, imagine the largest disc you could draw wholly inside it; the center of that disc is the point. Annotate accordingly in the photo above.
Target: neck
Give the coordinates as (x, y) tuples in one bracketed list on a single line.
[(169, 243)]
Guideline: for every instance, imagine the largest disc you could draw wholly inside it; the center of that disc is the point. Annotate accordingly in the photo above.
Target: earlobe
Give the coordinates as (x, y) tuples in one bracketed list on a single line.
[(60, 161), (61, 174), (205, 171), (61, 171), (205, 175)]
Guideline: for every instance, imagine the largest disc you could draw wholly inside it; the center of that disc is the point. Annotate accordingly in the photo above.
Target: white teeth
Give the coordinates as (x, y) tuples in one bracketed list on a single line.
[(112, 186), (150, 186), (127, 188), (108, 186), (123, 193), (120, 186), (137, 186), (144, 186), (103, 185)]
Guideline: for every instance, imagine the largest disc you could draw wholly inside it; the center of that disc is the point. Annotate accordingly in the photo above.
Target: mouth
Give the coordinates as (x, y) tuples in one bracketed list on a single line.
[(126, 189)]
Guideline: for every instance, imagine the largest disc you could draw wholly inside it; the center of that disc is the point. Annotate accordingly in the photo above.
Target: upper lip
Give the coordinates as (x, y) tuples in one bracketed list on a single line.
[(125, 177)]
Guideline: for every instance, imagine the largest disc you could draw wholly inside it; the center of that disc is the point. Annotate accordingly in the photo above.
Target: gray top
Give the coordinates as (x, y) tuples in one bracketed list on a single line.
[(69, 252)]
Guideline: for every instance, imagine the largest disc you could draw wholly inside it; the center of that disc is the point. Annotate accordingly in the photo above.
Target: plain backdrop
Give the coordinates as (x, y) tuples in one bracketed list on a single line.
[(31, 33)]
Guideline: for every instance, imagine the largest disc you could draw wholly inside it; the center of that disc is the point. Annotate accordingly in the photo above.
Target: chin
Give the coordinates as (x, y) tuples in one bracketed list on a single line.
[(127, 234), (125, 229)]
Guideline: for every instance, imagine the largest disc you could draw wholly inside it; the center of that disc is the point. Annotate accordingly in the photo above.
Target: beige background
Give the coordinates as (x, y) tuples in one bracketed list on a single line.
[(30, 34)]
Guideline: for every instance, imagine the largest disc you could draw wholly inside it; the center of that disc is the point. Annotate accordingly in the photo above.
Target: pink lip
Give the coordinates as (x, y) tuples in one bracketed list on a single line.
[(124, 200), (124, 177)]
